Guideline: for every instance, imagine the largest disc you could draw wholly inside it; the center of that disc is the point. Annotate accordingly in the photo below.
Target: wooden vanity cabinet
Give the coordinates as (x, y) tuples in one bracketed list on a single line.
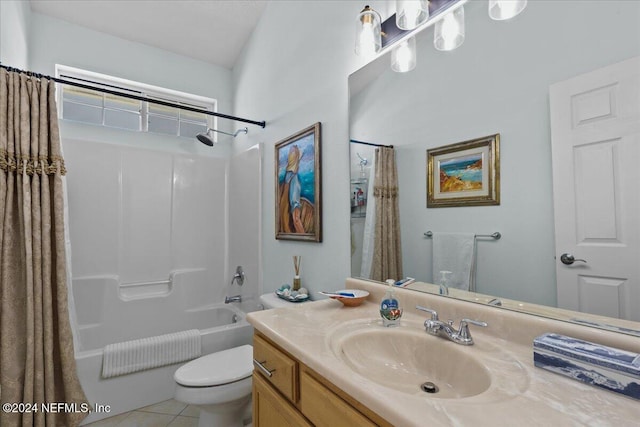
[(296, 396), (270, 409)]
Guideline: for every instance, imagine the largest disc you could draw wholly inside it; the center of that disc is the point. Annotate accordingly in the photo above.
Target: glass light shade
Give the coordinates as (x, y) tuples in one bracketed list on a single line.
[(403, 56), (411, 13), (368, 38), (449, 31), (500, 10)]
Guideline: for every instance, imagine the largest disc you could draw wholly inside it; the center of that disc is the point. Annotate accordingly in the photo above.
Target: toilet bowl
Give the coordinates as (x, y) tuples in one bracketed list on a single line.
[(219, 384)]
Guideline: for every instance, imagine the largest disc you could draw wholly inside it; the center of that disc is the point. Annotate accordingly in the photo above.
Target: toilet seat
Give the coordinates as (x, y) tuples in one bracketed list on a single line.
[(217, 369)]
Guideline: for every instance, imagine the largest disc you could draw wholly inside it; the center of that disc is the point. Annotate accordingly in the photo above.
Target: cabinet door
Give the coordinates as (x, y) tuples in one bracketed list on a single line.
[(270, 409), (325, 409)]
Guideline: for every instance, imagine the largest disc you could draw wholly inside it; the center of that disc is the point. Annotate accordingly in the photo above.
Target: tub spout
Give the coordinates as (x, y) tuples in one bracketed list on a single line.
[(235, 298)]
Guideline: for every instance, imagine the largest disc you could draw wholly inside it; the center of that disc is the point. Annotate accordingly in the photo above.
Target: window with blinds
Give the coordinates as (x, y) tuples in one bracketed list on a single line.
[(97, 108)]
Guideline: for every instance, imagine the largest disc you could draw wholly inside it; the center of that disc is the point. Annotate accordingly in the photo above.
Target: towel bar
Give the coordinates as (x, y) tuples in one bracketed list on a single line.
[(495, 235)]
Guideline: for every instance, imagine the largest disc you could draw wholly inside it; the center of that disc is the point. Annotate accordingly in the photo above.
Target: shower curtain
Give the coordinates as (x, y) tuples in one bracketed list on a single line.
[(387, 253), (37, 362)]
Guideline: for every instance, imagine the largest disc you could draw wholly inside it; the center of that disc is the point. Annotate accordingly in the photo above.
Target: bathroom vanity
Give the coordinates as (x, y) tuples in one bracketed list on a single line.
[(325, 364), (288, 392)]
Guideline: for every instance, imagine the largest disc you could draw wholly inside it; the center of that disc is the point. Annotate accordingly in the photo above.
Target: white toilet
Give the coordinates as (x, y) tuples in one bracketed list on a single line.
[(220, 384)]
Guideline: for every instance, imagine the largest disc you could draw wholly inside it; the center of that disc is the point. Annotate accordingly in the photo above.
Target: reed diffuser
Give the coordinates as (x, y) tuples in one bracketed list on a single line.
[(296, 269)]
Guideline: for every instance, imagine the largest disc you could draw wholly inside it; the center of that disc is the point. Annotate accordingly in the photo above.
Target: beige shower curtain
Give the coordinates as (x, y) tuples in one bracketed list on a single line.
[(37, 362), (387, 252)]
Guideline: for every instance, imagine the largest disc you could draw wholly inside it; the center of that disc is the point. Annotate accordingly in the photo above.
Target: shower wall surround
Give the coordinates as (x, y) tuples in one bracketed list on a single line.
[(136, 216), (245, 208)]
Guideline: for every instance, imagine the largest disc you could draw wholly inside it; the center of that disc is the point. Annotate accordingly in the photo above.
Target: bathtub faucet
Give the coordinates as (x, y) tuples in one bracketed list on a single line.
[(235, 298)]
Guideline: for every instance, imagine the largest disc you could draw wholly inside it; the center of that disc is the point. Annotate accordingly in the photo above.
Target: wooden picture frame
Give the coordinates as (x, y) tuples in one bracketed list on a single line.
[(464, 174), (298, 181)]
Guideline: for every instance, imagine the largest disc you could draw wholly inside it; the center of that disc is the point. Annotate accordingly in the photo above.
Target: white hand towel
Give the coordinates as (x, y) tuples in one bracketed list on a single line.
[(455, 252)]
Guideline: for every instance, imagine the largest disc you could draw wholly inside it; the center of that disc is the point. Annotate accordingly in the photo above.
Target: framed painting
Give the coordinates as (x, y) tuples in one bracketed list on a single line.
[(298, 186), (464, 174)]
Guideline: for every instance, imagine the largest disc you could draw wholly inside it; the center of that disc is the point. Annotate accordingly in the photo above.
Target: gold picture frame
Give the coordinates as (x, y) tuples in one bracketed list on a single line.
[(464, 174), (298, 182)]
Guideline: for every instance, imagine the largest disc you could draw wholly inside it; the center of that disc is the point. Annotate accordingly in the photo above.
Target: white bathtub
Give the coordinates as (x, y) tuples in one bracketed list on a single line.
[(151, 311)]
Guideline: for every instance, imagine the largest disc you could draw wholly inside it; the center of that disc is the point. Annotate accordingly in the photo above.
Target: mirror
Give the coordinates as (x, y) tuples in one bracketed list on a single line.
[(496, 82)]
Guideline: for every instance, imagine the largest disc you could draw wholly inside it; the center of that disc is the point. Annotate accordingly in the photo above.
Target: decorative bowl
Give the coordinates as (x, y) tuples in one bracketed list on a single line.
[(354, 301)]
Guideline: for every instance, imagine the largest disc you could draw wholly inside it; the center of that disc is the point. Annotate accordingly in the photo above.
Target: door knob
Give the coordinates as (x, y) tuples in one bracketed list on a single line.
[(568, 259)]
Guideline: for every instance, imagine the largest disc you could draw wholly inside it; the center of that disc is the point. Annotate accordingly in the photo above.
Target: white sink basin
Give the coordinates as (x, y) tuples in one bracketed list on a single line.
[(405, 358)]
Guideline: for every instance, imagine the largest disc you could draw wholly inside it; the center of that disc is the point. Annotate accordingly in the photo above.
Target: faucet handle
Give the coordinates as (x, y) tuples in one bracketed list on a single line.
[(474, 322), (434, 314), (464, 333), (239, 276)]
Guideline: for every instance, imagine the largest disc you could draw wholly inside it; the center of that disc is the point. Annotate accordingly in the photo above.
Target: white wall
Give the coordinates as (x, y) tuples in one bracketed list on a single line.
[(15, 22), (496, 82), (54, 41), (293, 73)]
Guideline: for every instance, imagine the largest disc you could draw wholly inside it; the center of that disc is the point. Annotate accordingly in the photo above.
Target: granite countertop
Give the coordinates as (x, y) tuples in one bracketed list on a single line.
[(520, 394)]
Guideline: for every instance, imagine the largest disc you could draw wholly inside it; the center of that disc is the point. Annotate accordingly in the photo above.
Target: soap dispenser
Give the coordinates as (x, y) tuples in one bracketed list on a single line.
[(390, 309), (444, 289)]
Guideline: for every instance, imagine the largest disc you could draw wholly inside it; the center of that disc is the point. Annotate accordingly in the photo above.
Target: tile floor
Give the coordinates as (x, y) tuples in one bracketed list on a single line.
[(169, 413)]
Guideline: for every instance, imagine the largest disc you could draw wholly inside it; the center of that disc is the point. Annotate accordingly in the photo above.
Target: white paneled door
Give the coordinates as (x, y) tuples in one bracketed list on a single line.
[(595, 134)]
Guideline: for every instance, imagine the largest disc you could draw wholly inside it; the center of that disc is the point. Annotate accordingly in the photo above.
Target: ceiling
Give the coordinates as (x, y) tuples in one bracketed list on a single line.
[(214, 31)]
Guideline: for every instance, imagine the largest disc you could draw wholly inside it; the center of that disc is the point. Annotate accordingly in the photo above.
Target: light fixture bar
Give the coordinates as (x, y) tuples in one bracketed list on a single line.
[(437, 9)]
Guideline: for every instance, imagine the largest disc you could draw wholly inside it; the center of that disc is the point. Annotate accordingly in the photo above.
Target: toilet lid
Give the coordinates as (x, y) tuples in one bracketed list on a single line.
[(219, 368)]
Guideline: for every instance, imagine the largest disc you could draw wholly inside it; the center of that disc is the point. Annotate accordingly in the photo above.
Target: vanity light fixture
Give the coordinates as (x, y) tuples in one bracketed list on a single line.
[(449, 31), (500, 10), (411, 13), (403, 56), (398, 31), (368, 33)]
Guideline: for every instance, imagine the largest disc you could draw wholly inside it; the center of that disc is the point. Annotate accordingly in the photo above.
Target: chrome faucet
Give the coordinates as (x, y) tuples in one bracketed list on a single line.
[(239, 276), (235, 298), (436, 327)]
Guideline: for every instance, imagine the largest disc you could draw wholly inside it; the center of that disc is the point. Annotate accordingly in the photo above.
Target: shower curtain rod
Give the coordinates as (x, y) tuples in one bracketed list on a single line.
[(131, 96), (369, 143)]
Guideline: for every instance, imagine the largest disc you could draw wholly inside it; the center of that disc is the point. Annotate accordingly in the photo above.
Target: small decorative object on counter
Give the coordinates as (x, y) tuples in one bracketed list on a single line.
[(296, 268), (595, 364), (286, 293), (348, 297), (390, 307)]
